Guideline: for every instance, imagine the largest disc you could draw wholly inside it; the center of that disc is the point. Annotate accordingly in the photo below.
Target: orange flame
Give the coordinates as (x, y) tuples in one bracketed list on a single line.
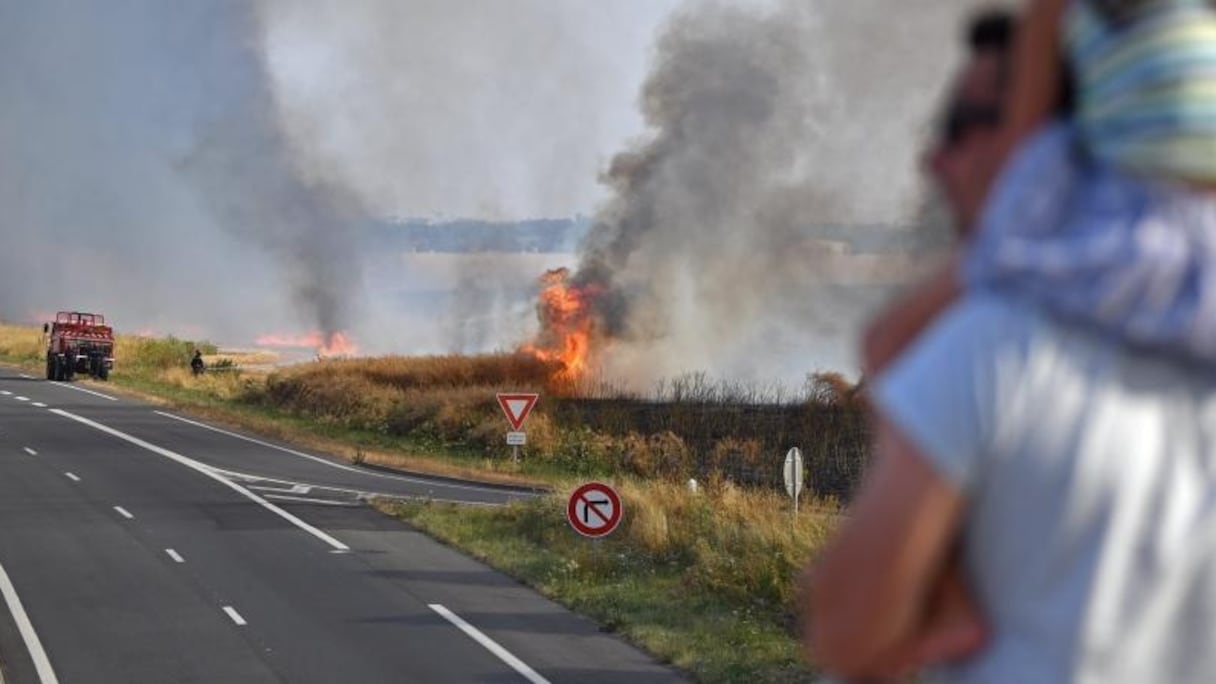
[(568, 330), (338, 343)]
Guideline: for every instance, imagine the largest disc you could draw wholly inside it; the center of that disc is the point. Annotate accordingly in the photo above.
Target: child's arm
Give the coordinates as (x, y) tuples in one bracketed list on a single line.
[(1034, 90)]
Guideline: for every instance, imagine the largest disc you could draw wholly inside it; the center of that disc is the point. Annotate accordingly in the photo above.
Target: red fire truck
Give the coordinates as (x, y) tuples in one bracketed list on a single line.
[(78, 343)]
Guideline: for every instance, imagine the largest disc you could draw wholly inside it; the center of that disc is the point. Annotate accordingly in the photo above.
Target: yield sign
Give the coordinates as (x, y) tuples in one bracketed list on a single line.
[(594, 509), (517, 407)]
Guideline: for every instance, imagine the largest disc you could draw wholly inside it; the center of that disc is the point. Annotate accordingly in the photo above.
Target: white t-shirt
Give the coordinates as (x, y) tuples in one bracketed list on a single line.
[(1090, 475)]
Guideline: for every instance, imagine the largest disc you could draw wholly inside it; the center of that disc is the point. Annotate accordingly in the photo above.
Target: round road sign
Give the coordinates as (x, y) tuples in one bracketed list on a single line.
[(594, 509)]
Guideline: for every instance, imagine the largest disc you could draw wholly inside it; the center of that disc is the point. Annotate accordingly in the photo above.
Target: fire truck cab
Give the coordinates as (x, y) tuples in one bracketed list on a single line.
[(78, 342)]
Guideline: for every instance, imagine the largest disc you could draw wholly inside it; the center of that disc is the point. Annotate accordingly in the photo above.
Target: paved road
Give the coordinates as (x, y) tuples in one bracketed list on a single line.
[(141, 546)]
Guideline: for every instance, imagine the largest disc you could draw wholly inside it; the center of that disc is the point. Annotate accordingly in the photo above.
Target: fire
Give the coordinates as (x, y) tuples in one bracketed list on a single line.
[(337, 344), (568, 329)]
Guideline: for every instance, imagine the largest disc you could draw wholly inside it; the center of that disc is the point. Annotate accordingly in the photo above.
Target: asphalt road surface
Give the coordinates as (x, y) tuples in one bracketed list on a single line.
[(138, 545)]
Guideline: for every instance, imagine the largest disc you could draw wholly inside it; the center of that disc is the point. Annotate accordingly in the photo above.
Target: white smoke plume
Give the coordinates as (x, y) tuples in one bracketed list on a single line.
[(143, 176), (477, 108)]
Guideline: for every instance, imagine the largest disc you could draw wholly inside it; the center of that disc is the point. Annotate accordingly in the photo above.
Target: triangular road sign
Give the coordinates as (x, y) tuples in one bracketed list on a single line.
[(517, 407)]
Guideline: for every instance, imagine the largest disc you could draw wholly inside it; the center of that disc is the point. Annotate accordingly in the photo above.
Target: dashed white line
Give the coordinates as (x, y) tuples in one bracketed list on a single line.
[(492, 646), (20, 398), (27, 377), (29, 451), (123, 512), (42, 664), (39, 404), (73, 477), (236, 617), (177, 558), (6, 393), (81, 389), (209, 472)]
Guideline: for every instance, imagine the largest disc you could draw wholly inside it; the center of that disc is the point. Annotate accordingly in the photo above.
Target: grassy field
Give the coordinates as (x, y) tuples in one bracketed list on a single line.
[(706, 581)]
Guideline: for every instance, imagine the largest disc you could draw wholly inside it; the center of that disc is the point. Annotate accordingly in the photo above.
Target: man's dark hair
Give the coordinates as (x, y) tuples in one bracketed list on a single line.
[(994, 30), (991, 30)]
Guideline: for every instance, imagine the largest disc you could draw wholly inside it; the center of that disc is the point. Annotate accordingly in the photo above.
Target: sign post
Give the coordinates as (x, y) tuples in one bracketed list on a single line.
[(517, 406), (793, 475)]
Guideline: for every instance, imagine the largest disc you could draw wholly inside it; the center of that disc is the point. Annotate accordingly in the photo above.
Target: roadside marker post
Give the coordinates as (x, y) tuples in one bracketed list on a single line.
[(516, 406), (793, 474)]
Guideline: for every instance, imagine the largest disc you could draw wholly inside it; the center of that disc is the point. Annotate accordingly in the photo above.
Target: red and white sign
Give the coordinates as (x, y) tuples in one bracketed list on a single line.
[(517, 407), (594, 509)]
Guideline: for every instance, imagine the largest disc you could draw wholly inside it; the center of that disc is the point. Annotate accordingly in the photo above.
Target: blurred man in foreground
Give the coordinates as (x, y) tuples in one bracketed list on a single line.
[(1042, 498)]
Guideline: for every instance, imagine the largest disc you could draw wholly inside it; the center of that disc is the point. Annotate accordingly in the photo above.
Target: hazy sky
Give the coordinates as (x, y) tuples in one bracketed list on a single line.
[(201, 167)]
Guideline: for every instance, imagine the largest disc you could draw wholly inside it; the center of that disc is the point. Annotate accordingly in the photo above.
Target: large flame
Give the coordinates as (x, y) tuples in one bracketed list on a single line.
[(568, 328), (336, 344)]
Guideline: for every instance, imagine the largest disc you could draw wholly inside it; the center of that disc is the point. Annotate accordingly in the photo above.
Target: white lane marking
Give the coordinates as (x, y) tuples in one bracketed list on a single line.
[(294, 489), (22, 398), (318, 459), (29, 451), (177, 557), (322, 502), (492, 646), (27, 377), (6, 393), (124, 513), (73, 477), (209, 472), (236, 617), (42, 664), (39, 404), (360, 493), (81, 389)]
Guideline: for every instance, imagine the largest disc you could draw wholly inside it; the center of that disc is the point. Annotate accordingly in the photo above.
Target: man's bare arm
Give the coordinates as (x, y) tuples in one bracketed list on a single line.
[(876, 597)]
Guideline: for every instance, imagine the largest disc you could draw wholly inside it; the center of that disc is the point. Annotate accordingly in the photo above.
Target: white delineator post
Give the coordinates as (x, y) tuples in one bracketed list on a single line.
[(793, 475)]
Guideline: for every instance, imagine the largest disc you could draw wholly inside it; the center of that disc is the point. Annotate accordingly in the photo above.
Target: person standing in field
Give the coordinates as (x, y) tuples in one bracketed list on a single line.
[(1043, 493)]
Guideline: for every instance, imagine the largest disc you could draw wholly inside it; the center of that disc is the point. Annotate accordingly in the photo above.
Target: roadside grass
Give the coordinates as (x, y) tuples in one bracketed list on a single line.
[(21, 343), (705, 581)]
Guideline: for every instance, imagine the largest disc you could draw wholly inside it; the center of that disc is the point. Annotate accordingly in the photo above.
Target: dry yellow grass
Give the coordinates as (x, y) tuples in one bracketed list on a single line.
[(22, 342), (732, 539)]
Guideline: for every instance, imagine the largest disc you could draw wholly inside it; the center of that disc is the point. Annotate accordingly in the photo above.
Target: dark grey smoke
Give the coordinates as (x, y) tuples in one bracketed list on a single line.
[(768, 124), (241, 168)]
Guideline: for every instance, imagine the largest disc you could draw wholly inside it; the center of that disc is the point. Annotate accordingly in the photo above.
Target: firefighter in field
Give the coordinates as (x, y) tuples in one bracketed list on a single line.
[(196, 364)]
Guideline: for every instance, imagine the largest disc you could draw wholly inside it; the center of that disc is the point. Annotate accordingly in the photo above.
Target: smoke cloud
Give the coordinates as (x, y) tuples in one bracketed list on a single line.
[(482, 108), (203, 168), (768, 124)]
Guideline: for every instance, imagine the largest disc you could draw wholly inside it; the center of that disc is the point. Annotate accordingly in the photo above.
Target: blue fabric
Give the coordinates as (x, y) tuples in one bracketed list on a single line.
[(1132, 256)]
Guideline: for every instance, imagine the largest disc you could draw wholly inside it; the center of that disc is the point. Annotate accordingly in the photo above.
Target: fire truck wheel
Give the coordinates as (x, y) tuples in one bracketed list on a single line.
[(103, 373), (50, 368)]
